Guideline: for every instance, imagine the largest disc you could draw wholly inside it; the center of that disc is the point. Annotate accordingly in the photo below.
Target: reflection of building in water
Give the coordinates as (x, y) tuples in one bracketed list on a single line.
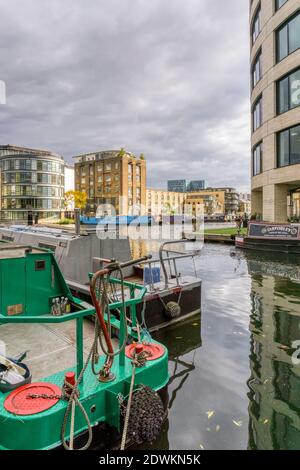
[(139, 248), (275, 382)]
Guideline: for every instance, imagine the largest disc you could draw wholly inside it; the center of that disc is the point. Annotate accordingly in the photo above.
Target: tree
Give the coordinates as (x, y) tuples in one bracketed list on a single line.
[(75, 200), (122, 152)]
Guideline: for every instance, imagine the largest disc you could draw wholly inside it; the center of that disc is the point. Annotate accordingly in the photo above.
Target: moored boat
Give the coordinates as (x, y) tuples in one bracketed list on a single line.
[(165, 276), (108, 381)]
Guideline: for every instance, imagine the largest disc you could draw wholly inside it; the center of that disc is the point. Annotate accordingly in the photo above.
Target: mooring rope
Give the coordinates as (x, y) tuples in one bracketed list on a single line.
[(127, 416)]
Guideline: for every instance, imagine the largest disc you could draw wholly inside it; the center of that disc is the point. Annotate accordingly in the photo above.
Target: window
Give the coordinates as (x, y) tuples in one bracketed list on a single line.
[(257, 114), (288, 38), (257, 159), (279, 4), (288, 147), (256, 25), (288, 92), (256, 70)]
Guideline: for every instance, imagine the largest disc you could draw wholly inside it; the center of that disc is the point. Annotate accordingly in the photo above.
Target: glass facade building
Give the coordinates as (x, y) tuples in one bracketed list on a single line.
[(177, 186), (32, 181), (183, 186)]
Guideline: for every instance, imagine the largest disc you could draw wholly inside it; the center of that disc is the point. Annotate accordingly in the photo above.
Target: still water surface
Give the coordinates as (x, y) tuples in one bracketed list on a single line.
[(233, 383)]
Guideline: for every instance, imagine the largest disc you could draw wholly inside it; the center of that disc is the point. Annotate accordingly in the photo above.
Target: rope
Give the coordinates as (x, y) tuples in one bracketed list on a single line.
[(105, 301), (178, 300), (139, 360), (74, 397), (127, 416)]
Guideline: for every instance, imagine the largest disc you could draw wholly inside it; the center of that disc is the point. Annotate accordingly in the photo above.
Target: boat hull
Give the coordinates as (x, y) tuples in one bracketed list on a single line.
[(42, 431)]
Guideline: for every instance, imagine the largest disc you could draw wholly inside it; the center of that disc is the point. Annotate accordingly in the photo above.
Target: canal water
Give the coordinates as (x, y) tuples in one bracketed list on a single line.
[(234, 384)]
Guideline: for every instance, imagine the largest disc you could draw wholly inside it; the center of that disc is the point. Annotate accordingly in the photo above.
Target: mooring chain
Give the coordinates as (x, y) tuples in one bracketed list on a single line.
[(64, 396), (45, 396)]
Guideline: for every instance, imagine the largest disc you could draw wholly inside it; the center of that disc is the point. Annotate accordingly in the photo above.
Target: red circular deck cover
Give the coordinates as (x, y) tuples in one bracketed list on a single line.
[(18, 402), (156, 350)]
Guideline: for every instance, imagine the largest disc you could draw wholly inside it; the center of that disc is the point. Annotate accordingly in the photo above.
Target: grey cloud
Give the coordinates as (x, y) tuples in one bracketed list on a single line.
[(168, 78)]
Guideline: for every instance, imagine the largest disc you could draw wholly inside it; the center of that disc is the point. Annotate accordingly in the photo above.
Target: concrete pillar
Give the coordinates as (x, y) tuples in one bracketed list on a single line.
[(275, 207), (256, 203)]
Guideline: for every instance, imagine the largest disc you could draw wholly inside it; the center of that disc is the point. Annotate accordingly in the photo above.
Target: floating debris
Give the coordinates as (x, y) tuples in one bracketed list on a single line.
[(239, 424), (210, 414), (218, 427)]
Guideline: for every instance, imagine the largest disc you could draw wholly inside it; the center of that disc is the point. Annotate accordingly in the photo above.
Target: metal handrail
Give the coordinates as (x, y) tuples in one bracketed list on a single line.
[(162, 260)]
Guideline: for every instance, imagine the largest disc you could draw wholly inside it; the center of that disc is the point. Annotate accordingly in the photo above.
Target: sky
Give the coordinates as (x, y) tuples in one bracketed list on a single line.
[(166, 78)]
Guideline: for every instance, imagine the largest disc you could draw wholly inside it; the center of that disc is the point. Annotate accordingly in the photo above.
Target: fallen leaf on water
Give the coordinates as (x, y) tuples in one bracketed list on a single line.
[(218, 428), (210, 414), (201, 447), (282, 346), (239, 424), (195, 324), (266, 421)]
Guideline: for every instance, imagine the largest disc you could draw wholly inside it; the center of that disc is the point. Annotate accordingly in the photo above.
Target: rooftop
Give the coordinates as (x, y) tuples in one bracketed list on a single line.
[(26, 150), (102, 154)]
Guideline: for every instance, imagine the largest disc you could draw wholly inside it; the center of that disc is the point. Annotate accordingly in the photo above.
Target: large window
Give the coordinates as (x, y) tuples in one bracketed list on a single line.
[(257, 159), (257, 114), (256, 25), (288, 146), (288, 92), (279, 4), (256, 71), (288, 37)]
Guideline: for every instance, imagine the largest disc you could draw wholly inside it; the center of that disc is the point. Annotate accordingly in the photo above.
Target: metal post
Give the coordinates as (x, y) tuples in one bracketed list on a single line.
[(77, 221), (79, 343), (176, 272), (133, 309), (122, 336)]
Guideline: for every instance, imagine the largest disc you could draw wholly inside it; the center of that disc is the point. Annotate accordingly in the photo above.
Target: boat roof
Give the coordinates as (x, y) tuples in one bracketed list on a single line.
[(14, 250)]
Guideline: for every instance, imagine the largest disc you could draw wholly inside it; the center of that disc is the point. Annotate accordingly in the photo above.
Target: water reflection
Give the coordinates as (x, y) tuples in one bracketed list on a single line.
[(274, 408), (233, 384)]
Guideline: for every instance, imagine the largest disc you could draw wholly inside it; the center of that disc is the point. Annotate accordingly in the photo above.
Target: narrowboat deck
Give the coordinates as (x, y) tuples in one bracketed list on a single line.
[(51, 347)]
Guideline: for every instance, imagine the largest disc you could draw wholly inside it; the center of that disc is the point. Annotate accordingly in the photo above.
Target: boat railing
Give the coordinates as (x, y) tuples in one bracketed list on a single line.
[(171, 260), (167, 260)]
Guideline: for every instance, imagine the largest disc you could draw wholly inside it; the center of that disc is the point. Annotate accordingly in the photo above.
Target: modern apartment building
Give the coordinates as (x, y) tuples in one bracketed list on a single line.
[(69, 178), (161, 202), (227, 199), (215, 201), (113, 177), (275, 100), (211, 203), (182, 186), (177, 186), (196, 185), (32, 182)]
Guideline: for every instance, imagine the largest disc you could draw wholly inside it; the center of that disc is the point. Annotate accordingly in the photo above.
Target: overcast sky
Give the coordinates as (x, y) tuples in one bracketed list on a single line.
[(167, 78)]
